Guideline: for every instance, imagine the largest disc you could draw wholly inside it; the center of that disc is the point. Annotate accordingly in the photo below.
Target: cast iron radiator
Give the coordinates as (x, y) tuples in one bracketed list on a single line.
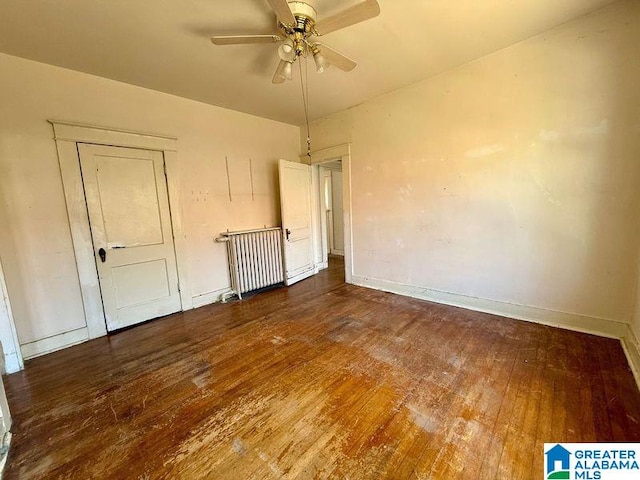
[(255, 258)]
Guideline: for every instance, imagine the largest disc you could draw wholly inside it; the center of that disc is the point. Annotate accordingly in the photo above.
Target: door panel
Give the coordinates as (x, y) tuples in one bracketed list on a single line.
[(129, 214), (295, 201), (129, 200), (153, 274)]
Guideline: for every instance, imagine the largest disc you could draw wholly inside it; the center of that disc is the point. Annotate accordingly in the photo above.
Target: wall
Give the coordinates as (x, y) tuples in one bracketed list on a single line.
[(509, 183), (35, 242)]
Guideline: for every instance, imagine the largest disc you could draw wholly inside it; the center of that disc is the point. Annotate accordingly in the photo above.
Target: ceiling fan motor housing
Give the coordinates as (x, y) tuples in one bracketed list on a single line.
[(305, 16)]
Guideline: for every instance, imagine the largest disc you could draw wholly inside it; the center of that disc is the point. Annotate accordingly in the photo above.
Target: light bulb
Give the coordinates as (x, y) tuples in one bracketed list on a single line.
[(286, 71), (286, 50)]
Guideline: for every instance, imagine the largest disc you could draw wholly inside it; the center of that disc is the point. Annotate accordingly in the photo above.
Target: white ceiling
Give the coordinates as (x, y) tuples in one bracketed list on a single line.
[(164, 45)]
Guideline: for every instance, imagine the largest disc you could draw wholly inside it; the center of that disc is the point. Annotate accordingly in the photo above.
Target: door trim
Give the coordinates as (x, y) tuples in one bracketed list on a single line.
[(325, 155), (67, 135), (13, 359)]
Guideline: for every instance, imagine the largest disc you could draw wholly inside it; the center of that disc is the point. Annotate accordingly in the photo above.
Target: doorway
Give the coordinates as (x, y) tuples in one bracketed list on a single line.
[(161, 151), (332, 218)]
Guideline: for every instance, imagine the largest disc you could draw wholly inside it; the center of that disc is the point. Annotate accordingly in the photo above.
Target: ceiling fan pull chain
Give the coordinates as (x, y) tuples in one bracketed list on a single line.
[(304, 82)]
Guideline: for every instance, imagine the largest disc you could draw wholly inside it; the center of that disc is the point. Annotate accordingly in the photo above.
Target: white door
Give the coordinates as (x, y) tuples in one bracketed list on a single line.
[(295, 202), (126, 194)]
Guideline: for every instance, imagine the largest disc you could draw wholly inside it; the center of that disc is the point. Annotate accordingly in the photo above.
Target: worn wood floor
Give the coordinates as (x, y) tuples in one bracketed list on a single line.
[(321, 380)]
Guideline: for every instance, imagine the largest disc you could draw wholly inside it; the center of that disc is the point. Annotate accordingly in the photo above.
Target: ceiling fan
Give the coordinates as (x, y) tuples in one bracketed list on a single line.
[(297, 26)]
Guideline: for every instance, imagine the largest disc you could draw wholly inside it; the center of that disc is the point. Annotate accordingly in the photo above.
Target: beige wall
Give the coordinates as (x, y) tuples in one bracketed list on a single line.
[(514, 178), (35, 242)]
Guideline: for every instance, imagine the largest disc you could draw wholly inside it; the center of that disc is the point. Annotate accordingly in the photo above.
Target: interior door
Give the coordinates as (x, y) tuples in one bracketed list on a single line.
[(295, 202), (128, 206)]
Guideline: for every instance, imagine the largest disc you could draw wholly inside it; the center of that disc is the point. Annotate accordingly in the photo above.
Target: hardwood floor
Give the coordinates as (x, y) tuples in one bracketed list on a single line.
[(320, 380)]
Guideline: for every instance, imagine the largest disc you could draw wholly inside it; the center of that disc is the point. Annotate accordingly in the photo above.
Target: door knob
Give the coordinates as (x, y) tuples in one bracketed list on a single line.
[(287, 232), (103, 254)]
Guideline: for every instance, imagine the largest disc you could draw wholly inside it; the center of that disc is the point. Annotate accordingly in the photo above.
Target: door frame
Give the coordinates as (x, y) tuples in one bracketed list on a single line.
[(67, 135), (13, 361), (326, 155), (326, 224)]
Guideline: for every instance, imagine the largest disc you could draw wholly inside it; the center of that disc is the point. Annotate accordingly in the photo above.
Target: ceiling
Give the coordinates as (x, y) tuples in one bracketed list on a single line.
[(164, 45)]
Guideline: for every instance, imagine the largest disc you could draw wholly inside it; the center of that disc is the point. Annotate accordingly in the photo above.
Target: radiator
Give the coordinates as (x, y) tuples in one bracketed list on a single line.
[(255, 258)]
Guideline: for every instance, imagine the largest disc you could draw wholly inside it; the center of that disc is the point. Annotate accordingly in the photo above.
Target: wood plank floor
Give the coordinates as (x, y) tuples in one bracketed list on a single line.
[(320, 380)]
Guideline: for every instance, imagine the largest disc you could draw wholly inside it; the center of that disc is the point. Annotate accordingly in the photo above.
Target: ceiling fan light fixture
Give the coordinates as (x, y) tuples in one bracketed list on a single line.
[(321, 61), (286, 50), (297, 25), (284, 70)]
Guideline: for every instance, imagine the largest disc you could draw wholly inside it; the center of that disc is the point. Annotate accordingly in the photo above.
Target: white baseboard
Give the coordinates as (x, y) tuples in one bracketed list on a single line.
[(631, 348), (321, 266), (209, 297), (335, 251), (570, 321), (53, 343), (12, 363)]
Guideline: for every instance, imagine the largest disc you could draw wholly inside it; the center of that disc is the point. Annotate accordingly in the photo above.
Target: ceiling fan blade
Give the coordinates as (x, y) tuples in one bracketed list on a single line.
[(356, 14), (242, 39), (282, 10), (337, 59)]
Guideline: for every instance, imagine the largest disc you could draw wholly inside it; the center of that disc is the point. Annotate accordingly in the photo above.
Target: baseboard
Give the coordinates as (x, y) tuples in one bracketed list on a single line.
[(53, 343), (12, 363), (631, 348), (571, 321), (321, 266), (337, 252), (209, 297)]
